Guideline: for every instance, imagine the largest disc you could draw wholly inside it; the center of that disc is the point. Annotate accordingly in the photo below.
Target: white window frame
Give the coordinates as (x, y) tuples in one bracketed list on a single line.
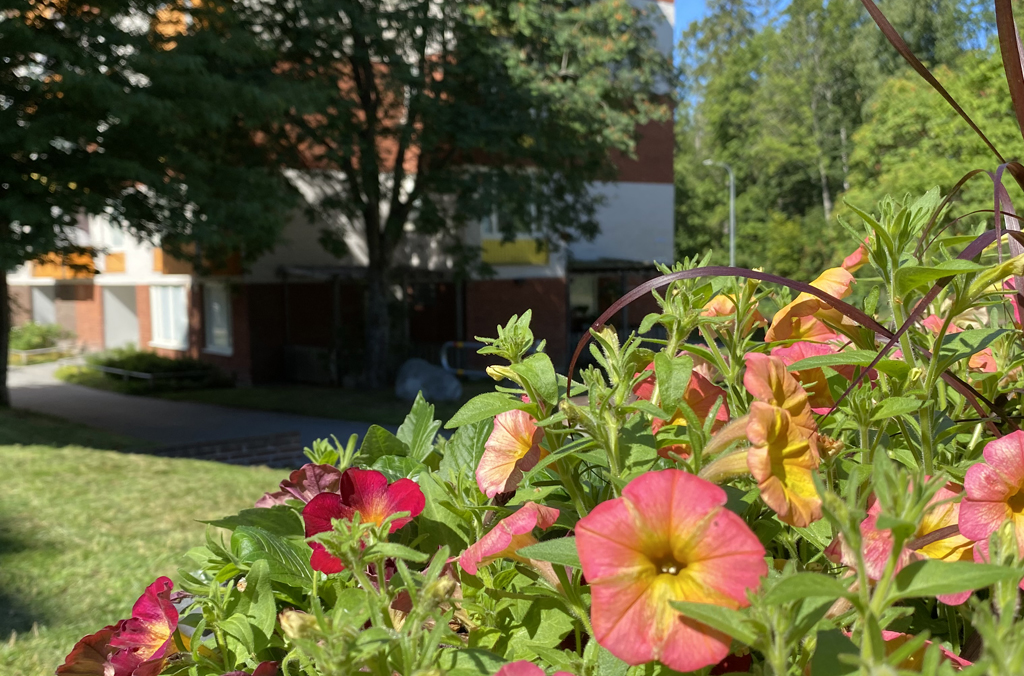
[(167, 330), (210, 291)]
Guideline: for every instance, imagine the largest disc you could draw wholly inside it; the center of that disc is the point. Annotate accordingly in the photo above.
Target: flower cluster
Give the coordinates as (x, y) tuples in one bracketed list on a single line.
[(738, 494)]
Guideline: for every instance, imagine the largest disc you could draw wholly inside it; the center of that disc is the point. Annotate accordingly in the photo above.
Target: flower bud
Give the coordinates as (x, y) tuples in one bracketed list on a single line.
[(298, 625)]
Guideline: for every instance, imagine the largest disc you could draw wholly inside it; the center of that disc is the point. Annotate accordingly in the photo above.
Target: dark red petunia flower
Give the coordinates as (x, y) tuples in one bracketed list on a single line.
[(366, 492), (137, 646)]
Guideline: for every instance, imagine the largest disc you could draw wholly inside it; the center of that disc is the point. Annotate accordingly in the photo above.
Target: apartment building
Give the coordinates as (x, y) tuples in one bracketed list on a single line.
[(297, 313)]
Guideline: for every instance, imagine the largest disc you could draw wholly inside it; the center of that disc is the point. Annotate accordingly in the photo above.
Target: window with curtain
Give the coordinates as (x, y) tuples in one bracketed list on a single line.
[(169, 316), (217, 318)]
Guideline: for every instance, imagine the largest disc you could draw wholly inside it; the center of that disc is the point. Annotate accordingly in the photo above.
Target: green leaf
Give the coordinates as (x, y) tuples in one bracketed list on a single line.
[(251, 544), (959, 346), (911, 277), (419, 429), (396, 467), (393, 550), (673, 375), (896, 406), (844, 358), (831, 644), (538, 370), (463, 451), (484, 406), (261, 608), (379, 443), (931, 578), (240, 637), (806, 585), (469, 662), (560, 551), (726, 620), (440, 524), (279, 519)]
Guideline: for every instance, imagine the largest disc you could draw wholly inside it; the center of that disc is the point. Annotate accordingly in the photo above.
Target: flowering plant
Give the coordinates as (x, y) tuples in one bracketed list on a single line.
[(835, 490)]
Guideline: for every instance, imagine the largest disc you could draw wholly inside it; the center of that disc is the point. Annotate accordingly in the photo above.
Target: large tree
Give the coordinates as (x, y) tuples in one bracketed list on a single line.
[(102, 112), (779, 94), (418, 117)]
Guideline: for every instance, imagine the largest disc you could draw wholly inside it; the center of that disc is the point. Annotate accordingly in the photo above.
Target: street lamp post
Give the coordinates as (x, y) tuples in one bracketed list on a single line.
[(732, 208)]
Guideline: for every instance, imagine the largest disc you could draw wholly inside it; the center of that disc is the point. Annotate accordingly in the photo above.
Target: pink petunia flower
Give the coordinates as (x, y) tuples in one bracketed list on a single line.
[(894, 640), (668, 538), (512, 449), (995, 490), (137, 646), (782, 460), (984, 361), (524, 668), (942, 514), (304, 484), (366, 492), (509, 536)]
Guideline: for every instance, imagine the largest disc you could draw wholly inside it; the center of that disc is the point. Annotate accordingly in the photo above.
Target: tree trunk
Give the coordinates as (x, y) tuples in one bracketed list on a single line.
[(5, 336), (378, 329)]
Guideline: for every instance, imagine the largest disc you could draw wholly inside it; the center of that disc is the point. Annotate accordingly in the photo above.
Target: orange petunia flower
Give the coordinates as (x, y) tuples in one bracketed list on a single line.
[(512, 449), (782, 460), (801, 319)]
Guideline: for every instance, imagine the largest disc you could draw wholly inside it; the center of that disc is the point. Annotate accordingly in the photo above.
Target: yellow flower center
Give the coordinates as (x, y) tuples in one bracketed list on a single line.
[(1016, 503), (668, 565)]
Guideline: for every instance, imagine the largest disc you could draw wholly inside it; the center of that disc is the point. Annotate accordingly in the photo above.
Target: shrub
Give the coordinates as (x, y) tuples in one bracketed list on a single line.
[(34, 336), (815, 494), (178, 373)]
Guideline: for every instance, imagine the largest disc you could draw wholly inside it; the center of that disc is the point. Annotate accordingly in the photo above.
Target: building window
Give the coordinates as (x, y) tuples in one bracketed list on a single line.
[(217, 318), (169, 315)]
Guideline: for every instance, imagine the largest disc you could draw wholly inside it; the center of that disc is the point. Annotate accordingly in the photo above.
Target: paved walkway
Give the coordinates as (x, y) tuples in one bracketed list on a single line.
[(158, 420)]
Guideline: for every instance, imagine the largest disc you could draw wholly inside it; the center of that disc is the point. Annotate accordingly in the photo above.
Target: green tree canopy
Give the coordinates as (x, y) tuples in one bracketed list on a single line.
[(421, 116)]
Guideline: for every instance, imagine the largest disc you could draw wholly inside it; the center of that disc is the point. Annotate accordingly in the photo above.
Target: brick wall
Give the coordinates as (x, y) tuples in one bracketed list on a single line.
[(21, 304), (142, 311), (84, 302), (493, 302)]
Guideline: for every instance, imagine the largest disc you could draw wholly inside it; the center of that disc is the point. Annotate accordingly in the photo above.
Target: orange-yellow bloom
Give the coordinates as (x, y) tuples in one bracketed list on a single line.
[(512, 449), (668, 538), (782, 460), (801, 319), (770, 382)]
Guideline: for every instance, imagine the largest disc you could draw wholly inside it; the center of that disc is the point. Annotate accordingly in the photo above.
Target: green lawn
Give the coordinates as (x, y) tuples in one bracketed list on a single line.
[(83, 531), (375, 406)]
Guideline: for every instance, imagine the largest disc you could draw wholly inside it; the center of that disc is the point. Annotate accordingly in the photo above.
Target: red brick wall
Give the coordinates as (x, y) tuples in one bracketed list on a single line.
[(21, 304), (654, 150), (493, 302), (88, 302), (142, 312)]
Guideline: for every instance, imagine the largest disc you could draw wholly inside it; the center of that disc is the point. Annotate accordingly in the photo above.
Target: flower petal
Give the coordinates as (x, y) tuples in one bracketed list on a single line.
[(512, 448), (1006, 455), (90, 654), (509, 535), (405, 496), (154, 618)]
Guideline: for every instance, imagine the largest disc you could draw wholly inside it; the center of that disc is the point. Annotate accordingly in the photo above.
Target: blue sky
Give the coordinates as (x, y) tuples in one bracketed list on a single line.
[(687, 11)]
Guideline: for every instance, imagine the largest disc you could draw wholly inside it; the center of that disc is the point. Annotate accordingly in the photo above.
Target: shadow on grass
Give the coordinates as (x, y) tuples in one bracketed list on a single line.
[(16, 614), (18, 427)]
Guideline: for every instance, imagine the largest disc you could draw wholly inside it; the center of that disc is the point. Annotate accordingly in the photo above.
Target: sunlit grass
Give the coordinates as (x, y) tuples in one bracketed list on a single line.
[(83, 531)]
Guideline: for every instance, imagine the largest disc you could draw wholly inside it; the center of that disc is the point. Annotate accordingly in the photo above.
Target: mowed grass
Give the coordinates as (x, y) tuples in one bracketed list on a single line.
[(83, 530)]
